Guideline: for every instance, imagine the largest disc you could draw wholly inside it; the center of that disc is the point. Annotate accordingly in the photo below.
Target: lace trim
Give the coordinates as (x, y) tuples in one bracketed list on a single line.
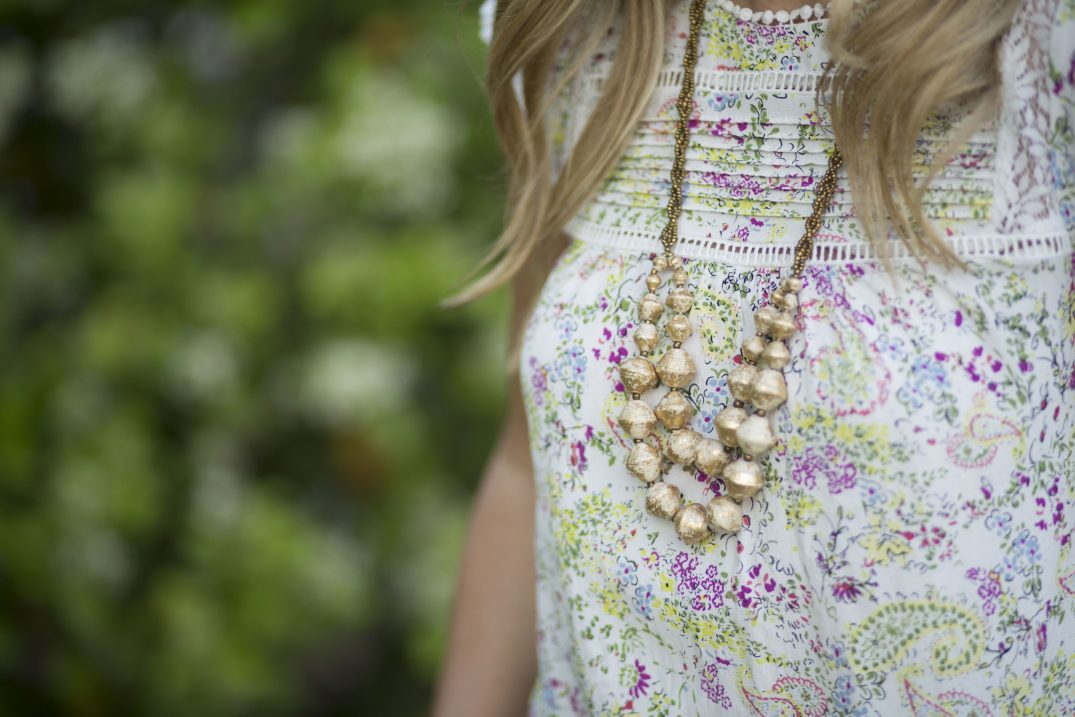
[(755, 255), (723, 80)]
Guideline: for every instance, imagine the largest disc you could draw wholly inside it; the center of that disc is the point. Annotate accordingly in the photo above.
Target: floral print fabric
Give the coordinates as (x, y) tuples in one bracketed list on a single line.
[(911, 552)]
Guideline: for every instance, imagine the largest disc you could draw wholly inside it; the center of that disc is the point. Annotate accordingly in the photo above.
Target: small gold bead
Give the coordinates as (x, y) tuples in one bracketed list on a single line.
[(692, 523), (663, 500), (743, 479), (676, 368), (724, 514)]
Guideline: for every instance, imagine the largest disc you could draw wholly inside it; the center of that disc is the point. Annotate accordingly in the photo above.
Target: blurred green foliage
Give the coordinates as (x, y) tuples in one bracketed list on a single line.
[(238, 441)]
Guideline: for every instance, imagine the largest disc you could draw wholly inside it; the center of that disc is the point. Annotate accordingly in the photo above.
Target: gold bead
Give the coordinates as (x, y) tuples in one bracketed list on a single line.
[(724, 515), (676, 368), (790, 302), (637, 418), (638, 374), (753, 348), (710, 457), (743, 479), (763, 318), (646, 337), (679, 277), (649, 307), (653, 281), (663, 500), (692, 523), (644, 462), (755, 436), (792, 284), (776, 355), (776, 298), (678, 327), (739, 380), (682, 445), (769, 390), (674, 410), (727, 421), (660, 263), (680, 300), (783, 326)]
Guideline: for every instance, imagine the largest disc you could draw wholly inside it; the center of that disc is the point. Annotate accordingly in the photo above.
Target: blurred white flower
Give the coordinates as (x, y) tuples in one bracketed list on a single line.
[(403, 144), (106, 76), (352, 380), (204, 366)]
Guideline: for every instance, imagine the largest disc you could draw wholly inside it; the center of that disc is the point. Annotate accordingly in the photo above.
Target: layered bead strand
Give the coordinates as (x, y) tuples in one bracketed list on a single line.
[(742, 436)]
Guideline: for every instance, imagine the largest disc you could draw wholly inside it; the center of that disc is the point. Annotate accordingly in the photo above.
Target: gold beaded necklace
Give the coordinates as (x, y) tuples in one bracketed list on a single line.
[(742, 436)]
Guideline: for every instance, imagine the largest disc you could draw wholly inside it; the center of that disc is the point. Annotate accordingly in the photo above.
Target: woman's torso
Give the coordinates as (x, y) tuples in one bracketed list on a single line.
[(911, 550)]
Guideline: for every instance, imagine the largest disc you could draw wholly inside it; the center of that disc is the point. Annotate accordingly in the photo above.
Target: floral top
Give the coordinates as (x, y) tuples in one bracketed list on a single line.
[(911, 551)]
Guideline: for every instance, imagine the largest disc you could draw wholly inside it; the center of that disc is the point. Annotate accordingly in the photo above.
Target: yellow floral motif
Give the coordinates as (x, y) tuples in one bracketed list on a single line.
[(612, 599), (801, 508), (718, 324), (883, 542), (1014, 693)]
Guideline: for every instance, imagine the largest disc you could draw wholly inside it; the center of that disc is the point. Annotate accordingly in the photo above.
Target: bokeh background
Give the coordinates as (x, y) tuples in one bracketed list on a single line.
[(238, 440)]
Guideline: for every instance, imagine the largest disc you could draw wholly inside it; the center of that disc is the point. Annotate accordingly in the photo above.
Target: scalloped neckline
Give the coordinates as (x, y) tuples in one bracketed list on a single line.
[(734, 9)]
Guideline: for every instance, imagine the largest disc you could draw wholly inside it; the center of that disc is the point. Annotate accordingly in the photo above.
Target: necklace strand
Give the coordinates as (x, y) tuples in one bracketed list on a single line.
[(742, 437)]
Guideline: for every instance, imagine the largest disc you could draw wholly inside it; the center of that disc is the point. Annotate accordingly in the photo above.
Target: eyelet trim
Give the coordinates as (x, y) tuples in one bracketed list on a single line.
[(966, 246)]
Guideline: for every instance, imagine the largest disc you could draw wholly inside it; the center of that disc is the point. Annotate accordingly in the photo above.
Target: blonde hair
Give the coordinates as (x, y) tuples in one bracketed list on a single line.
[(895, 63)]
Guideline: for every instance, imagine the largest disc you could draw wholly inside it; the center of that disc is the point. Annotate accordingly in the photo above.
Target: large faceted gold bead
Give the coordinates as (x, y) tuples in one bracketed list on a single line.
[(663, 500), (676, 368), (769, 391), (649, 307), (753, 348), (776, 355), (681, 446), (710, 457), (638, 374), (763, 319), (727, 422), (783, 326), (674, 410), (644, 462), (678, 327), (646, 337), (791, 284), (724, 515), (740, 380), (743, 479), (755, 436), (679, 277), (637, 418), (790, 302), (660, 263), (692, 523), (680, 300)]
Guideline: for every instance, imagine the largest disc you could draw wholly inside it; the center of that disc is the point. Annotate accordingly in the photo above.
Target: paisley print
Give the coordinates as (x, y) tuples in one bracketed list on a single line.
[(911, 550)]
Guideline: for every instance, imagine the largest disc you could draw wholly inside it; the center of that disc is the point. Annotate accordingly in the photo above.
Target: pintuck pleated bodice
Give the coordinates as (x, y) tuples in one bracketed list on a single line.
[(758, 143), (910, 552)]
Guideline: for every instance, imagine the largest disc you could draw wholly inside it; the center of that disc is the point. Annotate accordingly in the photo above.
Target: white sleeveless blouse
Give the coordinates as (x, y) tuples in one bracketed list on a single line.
[(911, 552)]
